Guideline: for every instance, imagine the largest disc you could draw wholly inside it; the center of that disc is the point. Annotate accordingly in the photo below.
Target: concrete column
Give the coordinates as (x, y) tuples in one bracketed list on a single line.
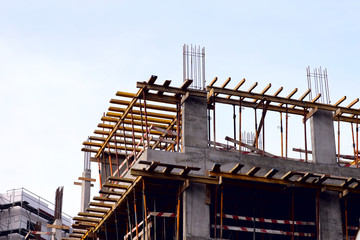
[(57, 232), (330, 216), (85, 190), (194, 124), (323, 138), (196, 213)]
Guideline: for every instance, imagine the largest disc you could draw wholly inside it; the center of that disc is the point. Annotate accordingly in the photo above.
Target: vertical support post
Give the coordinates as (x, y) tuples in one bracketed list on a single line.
[(215, 210), (135, 214), (240, 111), (99, 174), (125, 143), (142, 125), (110, 162), (256, 133), (263, 129), (286, 131), (214, 122), (338, 160), (353, 139), (306, 152), (145, 233), (292, 215), (106, 236), (178, 126), (346, 220), (146, 123), (221, 211), (357, 142), (282, 136), (116, 155), (129, 217), (116, 226), (133, 134), (317, 214), (155, 222), (178, 216), (234, 119)]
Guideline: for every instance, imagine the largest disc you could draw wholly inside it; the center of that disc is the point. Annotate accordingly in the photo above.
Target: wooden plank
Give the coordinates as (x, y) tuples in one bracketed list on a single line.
[(323, 178), (216, 167), (252, 87), (253, 171), (137, 112), (121, 179), (278, 92), (85, 219), (57, 226), (288, 175), (87, 179), (237, 86), (148, 106), (118, 186), (95, 215), (236, 169), (165, 84), (104, 205), (316, 98), (213, 82), (152, 79), (349, 181), (186, 171), (174, 176), (78, 183), (340, 101), (168, 170), (105, 199), (111, 192), (289, 96), (306, 177), (353, 103), (271, 173), (186, 84)]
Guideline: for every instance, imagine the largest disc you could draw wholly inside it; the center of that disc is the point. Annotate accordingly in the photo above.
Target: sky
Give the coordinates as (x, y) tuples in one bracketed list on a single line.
[(62, 61)]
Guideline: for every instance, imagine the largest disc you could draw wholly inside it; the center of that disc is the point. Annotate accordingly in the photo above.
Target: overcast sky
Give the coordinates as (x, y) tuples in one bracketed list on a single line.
[(62, 61)]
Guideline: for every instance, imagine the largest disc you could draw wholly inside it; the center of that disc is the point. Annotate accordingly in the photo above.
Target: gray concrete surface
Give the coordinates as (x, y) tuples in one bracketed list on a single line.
[(322, 137), (85, 190)]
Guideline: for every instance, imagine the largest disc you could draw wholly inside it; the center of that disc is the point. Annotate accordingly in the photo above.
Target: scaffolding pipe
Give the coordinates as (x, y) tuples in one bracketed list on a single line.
[(234, 118), (346, 220), (306, 156), (282, 135), (146, 123), (240, 103), (136, 224), (221, 211), (339, 140), (215, 228), (286, 132), (357, 142), (145, 230), (142, 125), (178, 216), (129, 216), (110, 162), (133, 134)]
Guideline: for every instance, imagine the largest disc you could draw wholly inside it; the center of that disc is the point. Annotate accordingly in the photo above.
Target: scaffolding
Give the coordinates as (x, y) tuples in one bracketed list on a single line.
[(22, 211), (145, 199)]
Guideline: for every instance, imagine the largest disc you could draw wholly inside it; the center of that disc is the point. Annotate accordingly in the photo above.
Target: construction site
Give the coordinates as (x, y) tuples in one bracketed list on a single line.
[(167, 171)]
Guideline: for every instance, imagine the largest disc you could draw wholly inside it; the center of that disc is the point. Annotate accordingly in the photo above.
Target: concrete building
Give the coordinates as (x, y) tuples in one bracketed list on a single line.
[(164, 174), (22, 211)]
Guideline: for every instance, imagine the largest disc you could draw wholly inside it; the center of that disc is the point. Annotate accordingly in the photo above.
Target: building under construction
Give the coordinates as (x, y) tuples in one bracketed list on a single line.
[(165, 174)]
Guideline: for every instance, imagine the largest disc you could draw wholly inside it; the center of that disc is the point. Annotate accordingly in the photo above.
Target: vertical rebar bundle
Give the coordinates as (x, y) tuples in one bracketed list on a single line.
[(318, 83), (194, 65)]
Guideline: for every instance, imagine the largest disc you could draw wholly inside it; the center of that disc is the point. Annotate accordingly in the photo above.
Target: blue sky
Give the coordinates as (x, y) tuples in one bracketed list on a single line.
[(62, 61)]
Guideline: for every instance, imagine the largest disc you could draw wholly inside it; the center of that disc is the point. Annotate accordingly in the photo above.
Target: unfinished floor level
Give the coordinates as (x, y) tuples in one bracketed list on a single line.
[(165, 174)]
